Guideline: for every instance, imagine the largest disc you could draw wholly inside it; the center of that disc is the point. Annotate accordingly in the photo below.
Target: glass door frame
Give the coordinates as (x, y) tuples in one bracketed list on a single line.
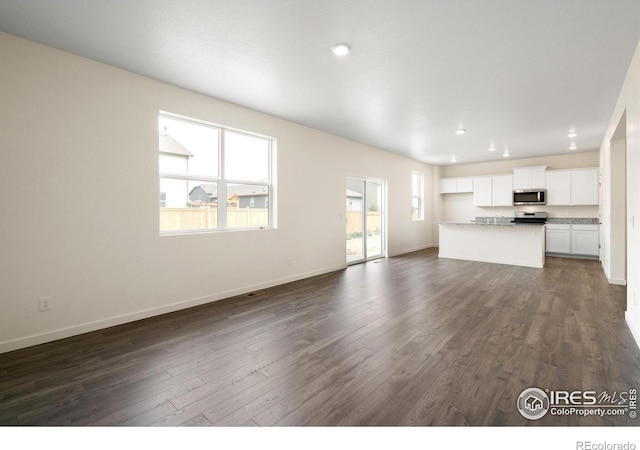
[(382, 206)]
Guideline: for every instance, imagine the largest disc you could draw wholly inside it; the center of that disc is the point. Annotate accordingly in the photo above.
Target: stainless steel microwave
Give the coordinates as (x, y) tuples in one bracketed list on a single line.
[(530, 197)]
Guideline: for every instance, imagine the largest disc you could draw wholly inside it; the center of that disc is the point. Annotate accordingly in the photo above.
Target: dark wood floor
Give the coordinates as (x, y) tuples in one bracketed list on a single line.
[(412, 340)]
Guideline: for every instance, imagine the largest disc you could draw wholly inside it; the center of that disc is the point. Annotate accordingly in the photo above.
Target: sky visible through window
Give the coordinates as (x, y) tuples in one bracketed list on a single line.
[(246, 156)]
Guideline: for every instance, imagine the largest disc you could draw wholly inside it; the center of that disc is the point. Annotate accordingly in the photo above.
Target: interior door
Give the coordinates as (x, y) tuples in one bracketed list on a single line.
[(365, 211)]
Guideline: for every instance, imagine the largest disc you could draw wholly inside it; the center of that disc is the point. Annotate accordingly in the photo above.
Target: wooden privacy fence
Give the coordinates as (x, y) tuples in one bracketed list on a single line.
[(354, 221), (201, 218)]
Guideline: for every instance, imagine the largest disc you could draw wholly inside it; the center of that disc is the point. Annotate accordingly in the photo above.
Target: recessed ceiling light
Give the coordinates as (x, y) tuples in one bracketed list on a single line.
[(572, 134), (492, 148), (341, 49), (573, 147), (506, 154), (461, 131), (453, 159)]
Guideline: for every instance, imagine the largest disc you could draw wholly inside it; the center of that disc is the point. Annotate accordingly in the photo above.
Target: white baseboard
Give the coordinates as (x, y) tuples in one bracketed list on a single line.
[(634, 331), (617, 281), (410, 250), (29, 341)]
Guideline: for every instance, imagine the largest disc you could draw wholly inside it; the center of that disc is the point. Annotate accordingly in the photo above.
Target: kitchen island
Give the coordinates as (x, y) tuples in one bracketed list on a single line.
[(501, 242)]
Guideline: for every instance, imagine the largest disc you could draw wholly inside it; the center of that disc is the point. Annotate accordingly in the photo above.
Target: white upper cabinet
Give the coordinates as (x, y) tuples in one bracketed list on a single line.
[(572, 187), (584, 186), (494, 190), (447, 185), (464, 184), (502, 190), (529, 177), (456, 185), (558, 187), (483, 191)]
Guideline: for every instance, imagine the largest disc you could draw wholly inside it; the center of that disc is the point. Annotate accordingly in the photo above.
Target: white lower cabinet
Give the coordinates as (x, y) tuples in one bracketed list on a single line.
[(559, 239), (585, 240), (576, 239)]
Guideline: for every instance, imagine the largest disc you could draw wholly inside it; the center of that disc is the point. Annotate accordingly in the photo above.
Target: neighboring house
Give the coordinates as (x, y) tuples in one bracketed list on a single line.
[(238, 195), (249, 196), (354, 200), (204, 194), (174, 158)]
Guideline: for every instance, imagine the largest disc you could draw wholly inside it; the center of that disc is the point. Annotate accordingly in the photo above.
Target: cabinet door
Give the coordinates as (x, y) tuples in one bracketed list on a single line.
[(585, 240), (537, 178), (529, 177), (584, 186), (521, 179), (559, 239), (447, 185), (464, 184), (502, 190), (558, 187), (482, 190)]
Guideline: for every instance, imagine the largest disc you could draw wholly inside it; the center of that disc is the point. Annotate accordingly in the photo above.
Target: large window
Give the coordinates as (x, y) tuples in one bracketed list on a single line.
[(212, 178), (417, 196)]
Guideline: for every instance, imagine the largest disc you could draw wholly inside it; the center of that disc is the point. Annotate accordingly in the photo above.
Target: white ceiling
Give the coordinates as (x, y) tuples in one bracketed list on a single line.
[(519, 74)]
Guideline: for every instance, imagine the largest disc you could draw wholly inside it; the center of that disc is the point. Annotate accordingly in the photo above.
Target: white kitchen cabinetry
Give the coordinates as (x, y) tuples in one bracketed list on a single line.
[(585, 240), (572, 187), (576, 239), (482, 191), (502, 186), (584, 186), (558, 187), (494, 190), (456, 185), (559, 239), (529, 177)]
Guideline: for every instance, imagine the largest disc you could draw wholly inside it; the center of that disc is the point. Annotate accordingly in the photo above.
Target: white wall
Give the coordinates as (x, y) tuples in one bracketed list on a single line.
[(628, 105), (79, 199), (460, 207)]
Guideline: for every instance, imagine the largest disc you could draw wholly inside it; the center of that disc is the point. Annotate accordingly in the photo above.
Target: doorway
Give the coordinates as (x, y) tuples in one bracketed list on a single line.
[(366, 219), (618, 205)]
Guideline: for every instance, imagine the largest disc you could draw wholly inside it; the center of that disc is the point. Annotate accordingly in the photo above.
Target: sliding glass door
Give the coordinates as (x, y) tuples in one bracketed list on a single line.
[(365, 219)]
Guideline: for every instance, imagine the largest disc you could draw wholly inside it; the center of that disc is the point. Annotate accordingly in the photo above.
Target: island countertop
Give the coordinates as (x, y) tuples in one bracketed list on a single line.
[(497, 224)]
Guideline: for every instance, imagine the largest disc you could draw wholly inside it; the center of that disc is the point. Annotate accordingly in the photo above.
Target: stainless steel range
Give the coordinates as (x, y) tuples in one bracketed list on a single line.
[(529, 217)]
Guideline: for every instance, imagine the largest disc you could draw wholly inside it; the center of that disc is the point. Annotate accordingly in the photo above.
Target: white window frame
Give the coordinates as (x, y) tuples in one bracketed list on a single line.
[(222, 182), (418, 195)]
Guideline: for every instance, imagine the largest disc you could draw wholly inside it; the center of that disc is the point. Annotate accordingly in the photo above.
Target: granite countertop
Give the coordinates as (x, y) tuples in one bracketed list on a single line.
[(497, 224), (574, 220), (506, 221)]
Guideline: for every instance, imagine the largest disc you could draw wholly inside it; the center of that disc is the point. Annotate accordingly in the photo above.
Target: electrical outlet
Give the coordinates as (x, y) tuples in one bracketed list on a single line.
[(45, 304)]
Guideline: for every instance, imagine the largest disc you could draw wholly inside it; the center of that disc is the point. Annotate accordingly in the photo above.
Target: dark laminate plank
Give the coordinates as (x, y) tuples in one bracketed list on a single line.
[(200, 421), (334, 375), (351, 394), (149, 401), (411, 340)]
